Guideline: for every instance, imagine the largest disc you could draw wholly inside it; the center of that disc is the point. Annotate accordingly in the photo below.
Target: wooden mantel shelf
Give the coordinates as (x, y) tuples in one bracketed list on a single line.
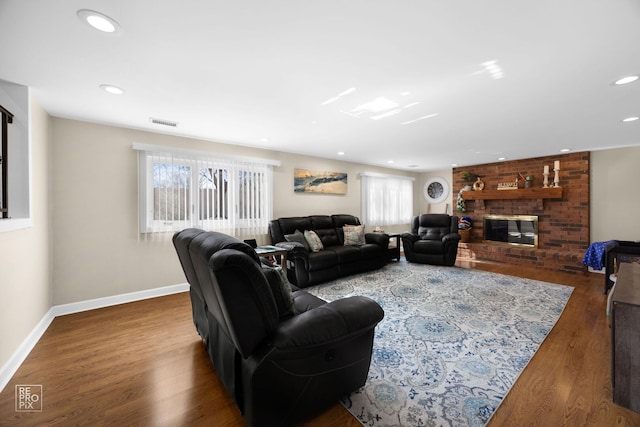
[(519, 194)]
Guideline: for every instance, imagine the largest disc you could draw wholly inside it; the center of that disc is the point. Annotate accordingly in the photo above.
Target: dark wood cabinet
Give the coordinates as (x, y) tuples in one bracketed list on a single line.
[(625, 337)]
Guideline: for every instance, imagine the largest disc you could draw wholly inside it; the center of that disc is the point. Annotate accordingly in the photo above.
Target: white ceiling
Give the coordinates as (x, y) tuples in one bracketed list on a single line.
[(257, 72)]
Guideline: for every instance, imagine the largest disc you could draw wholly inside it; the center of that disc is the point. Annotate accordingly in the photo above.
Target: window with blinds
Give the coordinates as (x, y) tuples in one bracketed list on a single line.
[(180, 189)]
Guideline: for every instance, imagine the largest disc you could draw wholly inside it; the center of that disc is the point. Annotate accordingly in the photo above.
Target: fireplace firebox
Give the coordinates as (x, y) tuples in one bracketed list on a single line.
[(521, 230)]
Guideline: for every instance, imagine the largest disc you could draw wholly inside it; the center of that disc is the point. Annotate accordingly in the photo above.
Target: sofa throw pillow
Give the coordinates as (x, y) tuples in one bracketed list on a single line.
[(353, 235), (281, 290), (315, 244), (298, 236)]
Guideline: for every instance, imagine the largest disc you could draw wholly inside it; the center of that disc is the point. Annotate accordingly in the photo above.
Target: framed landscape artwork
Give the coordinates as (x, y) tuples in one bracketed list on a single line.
[(324, 182)]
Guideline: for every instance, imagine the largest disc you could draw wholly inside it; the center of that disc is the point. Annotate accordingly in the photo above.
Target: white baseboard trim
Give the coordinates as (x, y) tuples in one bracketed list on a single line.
[(92, 304), (17, 358)]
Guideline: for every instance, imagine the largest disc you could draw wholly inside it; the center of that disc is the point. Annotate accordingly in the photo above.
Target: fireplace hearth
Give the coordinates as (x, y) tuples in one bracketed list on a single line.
[(520, 230)]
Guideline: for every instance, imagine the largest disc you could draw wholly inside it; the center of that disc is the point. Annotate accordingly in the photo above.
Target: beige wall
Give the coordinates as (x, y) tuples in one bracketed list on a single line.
[(97, 249), (615, 204), (25, 275)]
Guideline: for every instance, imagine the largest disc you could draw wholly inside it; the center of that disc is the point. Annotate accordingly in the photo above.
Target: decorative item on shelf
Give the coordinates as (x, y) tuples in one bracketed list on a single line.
[(377, 229), (508, 185), (528, 181), (464, 229), (545, 183), (478, 185), (469, 178), (556, 178)]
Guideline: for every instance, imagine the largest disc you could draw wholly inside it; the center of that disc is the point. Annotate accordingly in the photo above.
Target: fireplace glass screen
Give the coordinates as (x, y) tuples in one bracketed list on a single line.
[(511, 229)]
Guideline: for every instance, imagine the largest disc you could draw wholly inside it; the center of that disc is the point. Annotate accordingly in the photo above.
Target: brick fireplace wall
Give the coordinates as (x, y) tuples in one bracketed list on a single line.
[(563, 224)]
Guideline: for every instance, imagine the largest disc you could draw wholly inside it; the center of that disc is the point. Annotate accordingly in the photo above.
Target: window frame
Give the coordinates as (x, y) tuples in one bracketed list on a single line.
[(234, 224), (16, 98)]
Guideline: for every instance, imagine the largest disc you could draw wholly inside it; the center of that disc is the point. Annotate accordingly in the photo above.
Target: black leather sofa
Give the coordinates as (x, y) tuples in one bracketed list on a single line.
[(306, 268), (433, 240), (279, 366)]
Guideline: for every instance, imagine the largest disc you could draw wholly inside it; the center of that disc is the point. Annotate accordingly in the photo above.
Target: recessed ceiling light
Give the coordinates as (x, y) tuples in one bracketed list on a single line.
[(565, 150), (99, 21), (114, 90), (264, 139), (625, 80), (630, 119), (454, 164), (389, 161), (502, 158), (340, 153)]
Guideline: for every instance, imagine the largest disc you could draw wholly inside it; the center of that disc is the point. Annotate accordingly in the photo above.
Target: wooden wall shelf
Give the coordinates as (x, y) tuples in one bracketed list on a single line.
[(520, 194)]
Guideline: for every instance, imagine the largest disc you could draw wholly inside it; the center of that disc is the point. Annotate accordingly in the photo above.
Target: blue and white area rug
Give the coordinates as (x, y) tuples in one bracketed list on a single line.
[(452, 343)]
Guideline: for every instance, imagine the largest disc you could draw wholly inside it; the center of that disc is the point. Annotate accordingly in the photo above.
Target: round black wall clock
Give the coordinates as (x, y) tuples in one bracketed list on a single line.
[(436, 190)]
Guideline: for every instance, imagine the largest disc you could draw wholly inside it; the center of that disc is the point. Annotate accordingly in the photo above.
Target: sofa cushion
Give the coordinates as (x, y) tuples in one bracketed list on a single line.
[(322, 260), (341, 220), (353, 235), (325, 228), (298, 236), (346, 254), (315, 244), (291, 224)]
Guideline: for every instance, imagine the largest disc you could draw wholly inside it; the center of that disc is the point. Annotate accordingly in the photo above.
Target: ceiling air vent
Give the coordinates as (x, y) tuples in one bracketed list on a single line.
[(163, 122)]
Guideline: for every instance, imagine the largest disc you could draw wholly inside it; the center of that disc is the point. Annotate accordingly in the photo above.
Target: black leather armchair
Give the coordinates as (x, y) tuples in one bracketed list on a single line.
[(279, 369), (433, 239)]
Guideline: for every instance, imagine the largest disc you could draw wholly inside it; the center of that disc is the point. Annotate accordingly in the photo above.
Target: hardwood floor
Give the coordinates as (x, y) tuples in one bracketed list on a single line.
[(143, 364)]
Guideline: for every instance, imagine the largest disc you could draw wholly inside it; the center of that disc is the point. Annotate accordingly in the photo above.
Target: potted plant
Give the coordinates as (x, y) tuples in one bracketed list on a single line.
[(469, 178)]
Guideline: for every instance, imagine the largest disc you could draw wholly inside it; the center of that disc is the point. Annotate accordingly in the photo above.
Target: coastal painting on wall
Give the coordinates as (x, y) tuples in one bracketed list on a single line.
[(324, 182)]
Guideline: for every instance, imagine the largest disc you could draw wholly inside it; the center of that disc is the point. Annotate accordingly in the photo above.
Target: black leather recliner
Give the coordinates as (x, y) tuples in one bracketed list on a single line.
[(279, 370), (433, 239)]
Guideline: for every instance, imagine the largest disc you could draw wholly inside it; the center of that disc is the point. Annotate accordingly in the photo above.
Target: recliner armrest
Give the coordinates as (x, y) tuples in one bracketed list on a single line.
[(294, 249), (329, 322), (380, 239), (410, 237), (451, 237)]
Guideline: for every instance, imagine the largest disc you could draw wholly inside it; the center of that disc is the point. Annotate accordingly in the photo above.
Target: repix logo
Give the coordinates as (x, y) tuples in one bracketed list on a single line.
[(29, 398)]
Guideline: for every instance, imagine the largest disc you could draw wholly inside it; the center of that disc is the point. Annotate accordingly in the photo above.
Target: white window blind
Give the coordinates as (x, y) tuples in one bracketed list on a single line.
[(181, 189), (386, 199)]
